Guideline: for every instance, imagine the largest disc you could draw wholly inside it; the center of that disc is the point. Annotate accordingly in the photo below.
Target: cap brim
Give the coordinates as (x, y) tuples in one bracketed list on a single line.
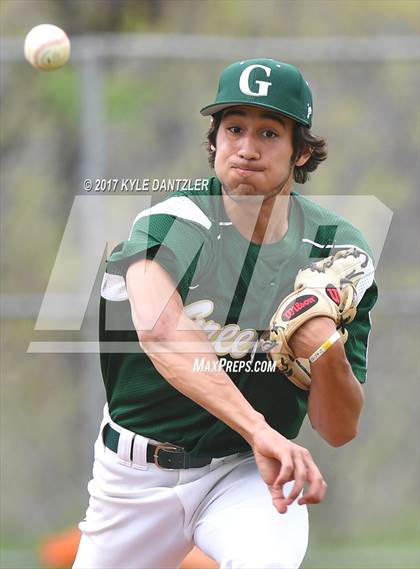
[(215, 108), (212, 109)]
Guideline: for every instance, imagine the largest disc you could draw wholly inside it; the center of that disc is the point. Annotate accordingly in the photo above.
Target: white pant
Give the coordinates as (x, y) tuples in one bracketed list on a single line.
[(143, 517)]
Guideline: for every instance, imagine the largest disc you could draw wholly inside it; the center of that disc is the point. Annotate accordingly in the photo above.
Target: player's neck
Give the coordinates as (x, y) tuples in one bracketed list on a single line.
[(258, 220)]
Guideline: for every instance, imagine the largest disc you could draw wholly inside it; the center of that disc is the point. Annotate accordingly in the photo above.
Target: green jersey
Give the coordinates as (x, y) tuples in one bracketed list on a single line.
[(230, 287)]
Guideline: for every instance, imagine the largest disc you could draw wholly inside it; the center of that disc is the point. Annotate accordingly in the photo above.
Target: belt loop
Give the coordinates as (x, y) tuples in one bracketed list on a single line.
[(139, 451), (132, 447), (124, 445), (103, 431)]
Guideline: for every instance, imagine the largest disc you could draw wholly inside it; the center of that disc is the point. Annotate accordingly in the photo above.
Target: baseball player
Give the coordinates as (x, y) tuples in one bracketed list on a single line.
[(230, 313)]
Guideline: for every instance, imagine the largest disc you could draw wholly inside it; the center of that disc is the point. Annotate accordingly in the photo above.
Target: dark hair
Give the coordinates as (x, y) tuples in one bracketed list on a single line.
[(302, 139)]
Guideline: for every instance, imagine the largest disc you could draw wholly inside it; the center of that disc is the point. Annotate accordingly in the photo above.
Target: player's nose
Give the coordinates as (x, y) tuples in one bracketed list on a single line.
[(248, 149)]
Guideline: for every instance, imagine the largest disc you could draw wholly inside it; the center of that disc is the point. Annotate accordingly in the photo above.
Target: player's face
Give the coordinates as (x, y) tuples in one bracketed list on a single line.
[(253, 152)]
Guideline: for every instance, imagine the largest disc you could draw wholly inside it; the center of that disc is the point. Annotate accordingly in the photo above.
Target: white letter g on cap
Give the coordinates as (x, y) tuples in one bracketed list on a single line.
[(262, 85)]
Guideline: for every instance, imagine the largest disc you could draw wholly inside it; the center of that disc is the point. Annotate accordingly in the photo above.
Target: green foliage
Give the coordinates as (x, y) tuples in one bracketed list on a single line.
[(59, 91), (395, 188), (224, 17), (354, 555), (28, 261), (127, 98)]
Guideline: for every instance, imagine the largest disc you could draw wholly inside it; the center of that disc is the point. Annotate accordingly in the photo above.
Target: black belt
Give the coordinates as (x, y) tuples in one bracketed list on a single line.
[(165, 455)]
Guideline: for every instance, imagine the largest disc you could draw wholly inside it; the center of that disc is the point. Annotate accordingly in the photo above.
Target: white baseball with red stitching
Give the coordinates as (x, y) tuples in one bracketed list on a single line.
[(47, 47)]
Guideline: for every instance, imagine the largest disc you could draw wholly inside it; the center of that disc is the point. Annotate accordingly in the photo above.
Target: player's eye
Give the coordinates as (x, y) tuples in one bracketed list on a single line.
[(268, 133), (234, 129)]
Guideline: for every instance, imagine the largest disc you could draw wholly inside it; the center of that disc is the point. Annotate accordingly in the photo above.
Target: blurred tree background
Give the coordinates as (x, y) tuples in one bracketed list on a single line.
[(149, 127)]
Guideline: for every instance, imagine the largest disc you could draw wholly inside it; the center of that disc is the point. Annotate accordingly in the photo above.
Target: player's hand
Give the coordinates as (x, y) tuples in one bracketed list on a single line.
[(280, 461)]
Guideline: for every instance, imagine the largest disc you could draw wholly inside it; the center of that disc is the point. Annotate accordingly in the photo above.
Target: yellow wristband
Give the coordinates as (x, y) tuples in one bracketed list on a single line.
[(324, 347)]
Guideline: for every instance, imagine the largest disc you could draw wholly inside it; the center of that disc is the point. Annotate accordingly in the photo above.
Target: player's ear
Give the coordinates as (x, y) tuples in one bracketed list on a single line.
[(304, 157)]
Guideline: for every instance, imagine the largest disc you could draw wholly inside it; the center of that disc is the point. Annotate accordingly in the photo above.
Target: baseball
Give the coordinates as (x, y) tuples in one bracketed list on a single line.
[(47, 47)]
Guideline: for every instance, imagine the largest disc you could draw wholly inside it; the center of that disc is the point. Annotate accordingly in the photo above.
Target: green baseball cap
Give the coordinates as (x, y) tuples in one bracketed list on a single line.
[(266, 83)]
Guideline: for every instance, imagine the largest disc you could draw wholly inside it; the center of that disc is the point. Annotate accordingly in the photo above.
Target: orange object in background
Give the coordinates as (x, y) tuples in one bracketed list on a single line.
[(196, 559), (59, 552)]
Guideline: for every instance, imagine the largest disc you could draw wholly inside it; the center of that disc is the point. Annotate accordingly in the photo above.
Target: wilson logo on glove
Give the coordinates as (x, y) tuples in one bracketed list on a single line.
[(333, 293), (300, 305)]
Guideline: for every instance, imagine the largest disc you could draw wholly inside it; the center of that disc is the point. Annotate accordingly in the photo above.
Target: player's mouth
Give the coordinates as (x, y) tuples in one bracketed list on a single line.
[(245, 171)]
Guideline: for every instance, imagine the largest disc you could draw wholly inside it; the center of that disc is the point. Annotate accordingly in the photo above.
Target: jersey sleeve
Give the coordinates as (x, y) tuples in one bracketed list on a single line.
[(173, 233), (357, 343), (356, 346)]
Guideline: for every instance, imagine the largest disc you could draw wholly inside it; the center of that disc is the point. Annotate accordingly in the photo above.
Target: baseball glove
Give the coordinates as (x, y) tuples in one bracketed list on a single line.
[(331, 287)]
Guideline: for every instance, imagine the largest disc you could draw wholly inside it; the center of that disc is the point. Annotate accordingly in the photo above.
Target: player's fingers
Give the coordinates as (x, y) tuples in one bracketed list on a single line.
[(286, 472), (317, 486), (300, 475), (276, 492), (314, 497), (279, 501)]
